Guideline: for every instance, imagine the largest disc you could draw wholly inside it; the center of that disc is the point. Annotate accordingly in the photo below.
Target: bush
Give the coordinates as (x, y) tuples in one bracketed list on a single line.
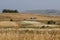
[(11, 19), (33, 18), (43, 27), (51, 22)]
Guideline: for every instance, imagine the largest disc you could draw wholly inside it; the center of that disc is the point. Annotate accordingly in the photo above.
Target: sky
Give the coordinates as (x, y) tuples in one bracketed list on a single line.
[(23, 5)]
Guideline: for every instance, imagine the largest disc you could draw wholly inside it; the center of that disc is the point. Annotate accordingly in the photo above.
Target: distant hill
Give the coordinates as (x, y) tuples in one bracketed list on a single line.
[(47, 11)]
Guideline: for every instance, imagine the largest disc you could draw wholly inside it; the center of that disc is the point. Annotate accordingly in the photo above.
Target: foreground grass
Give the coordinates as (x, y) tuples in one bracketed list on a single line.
[(29, 34)]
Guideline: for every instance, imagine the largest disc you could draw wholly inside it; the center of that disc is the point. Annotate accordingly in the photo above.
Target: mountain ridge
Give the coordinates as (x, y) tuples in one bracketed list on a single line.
[(47, 11)]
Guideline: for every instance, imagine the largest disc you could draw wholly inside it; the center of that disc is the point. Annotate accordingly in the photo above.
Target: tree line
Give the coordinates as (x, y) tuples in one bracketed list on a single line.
[(9, 11)]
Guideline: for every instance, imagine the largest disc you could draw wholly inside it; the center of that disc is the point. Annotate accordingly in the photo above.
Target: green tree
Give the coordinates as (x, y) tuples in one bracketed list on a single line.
[(9, 11)]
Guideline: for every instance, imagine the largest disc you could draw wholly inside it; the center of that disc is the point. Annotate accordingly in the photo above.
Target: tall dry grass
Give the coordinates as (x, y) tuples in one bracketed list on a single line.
[(41, 34)]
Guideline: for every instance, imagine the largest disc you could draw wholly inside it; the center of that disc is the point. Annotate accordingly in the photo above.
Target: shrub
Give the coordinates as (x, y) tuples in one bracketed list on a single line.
[(43, 27), (33, 18), (51, 22), (11, 19)]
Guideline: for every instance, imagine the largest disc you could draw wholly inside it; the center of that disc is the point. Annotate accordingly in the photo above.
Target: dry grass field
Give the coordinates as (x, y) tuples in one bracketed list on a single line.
[(22, 16), (30, 34), (25, 26)]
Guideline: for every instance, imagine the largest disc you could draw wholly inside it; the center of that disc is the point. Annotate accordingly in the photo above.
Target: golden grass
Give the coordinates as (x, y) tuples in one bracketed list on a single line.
[(21, 16), (42, 34), (9, 33), (8, 24)]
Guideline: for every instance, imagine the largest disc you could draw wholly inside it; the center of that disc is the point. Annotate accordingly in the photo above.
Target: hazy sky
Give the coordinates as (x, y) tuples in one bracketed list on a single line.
[(29, 4)]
